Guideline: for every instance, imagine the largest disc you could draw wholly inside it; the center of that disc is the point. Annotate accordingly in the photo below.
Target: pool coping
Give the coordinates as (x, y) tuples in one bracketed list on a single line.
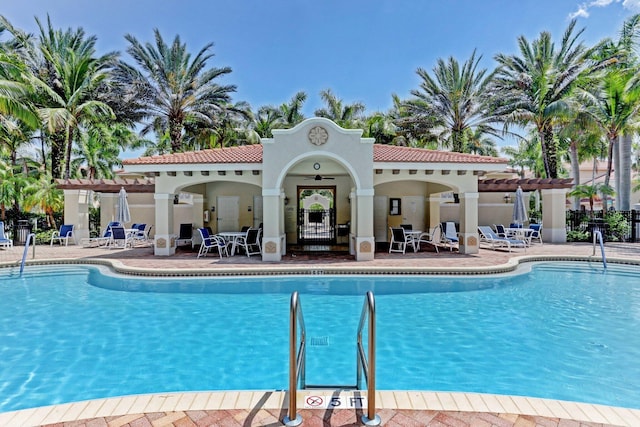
[(267, 269), (278, 400)]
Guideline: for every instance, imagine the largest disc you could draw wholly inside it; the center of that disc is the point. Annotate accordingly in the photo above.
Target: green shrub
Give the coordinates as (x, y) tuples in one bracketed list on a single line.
[(617, 226), (577, 236)]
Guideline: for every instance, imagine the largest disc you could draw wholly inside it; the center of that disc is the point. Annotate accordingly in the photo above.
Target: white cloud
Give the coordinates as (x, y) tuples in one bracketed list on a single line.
[(580, 13), (583, 8), (602, 3), (633, 5)]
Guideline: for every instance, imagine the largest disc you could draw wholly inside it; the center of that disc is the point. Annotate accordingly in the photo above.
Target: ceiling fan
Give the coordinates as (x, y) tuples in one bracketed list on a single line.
[(319, 177)]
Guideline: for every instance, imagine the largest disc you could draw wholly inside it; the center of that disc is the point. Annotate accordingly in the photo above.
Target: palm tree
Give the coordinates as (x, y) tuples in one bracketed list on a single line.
[(291, 112), (65, 75), (591, 192), (45, 195), (526, 155), (380, 127), (176, 88), (96, 154), (344, 115), (455, 99), (534, 88), (14, 92), (476, 141)]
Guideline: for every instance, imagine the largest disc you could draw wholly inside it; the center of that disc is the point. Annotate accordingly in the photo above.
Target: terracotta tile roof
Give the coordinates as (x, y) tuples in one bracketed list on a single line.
[(392, 153), (239, 154), (253, 154)]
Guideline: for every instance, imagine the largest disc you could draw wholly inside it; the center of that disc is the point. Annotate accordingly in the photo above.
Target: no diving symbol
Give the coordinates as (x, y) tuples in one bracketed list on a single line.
[(314, 401)]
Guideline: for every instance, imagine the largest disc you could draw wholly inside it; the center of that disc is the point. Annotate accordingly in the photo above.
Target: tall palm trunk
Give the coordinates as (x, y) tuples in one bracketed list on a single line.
[(549, 151), (575, 170), (624, 191), (57, 153), (612, 142), (617, 170)]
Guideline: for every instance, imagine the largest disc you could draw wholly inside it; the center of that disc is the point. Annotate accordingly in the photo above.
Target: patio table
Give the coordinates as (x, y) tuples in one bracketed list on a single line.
[(233, 237)]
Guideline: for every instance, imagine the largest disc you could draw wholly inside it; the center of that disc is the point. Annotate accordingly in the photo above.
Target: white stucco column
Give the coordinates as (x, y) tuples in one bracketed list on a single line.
[(433, 212), (76, 212), (107, 209), (197, 216), (273, 237), (554, 217), (365, 243), (165, 239), (353, 218), (469, 242)]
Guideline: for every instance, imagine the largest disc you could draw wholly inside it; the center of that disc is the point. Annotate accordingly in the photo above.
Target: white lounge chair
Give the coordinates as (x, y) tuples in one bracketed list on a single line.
[(63, 235), (120, 239), (251, 242), (434, 237), (100, 241), (400, 240), (211, 242), (536, 234), (488, 236), (5, 242), (450, 237)]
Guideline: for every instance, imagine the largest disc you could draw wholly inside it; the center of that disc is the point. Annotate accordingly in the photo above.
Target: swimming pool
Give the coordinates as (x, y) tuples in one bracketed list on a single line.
[(560, 331)]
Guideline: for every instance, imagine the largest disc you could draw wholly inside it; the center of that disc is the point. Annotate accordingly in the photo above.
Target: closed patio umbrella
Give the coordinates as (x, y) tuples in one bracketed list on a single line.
[(122, 212), (519, 209)]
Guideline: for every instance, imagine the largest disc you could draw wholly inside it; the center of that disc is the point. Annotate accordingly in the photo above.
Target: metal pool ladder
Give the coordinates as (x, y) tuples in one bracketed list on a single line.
[(366, 365), (30, 237), (597, 235)]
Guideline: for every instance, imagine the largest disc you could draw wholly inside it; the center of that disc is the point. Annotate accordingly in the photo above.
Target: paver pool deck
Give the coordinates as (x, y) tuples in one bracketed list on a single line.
[(268, 408)]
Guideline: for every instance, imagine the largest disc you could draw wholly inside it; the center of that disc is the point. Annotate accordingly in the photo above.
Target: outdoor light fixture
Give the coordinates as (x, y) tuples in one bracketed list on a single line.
[(286, 201), (507, 198)]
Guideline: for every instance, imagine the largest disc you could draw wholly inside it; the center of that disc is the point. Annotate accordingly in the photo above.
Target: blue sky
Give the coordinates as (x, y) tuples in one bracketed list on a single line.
[(363, 50)]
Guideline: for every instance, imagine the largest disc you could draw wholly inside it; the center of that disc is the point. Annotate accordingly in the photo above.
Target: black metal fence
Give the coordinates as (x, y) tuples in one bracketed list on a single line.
[(316, 226), (585, 221)]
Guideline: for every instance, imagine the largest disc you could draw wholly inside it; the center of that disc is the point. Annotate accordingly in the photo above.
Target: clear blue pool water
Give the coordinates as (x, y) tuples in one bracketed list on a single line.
[(560, 331)]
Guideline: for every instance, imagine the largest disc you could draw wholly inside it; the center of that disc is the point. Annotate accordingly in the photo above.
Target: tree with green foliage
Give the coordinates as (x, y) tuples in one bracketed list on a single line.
[(455, 101), (175, 87), (344, 115), (534, 87)]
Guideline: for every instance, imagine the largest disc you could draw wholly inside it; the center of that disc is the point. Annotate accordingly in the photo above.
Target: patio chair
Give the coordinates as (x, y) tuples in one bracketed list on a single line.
[(500, 230), (140, 236), (251, 242), (63, 235), (536, 234), (186, 235), (400, 240), (433, 238), (488, 236), (119, 239), (450, 236), (211, 242), (407, 227), (102, 240), (5, 242)]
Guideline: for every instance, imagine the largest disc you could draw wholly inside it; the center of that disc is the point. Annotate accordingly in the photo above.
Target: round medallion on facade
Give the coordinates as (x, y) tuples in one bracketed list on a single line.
[(318, 135)]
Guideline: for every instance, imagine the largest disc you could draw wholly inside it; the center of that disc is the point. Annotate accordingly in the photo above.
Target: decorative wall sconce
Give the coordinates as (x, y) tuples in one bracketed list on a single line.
[(507, 198), (286, 201)]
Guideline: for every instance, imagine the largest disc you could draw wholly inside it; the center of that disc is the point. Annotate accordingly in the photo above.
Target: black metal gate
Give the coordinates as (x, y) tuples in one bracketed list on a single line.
[(316, 226)]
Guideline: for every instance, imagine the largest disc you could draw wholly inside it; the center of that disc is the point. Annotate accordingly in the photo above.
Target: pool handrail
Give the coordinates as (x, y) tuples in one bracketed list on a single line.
[(597, 235), (30, 236), (368, 369), (297, 359)]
